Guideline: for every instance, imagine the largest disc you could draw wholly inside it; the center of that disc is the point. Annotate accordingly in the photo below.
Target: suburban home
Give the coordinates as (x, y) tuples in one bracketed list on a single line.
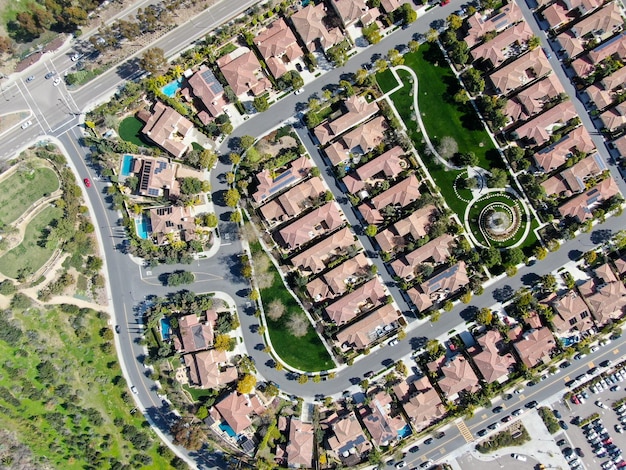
[(620, 266), (384, 428), (602, 22), (167, 129), (420, 401), (561, 12), (364, 298), (521, 71), (581, 206), (571, 45), (210, 369), (491, 360), (172, 223), (156, 176), (434, 252), (619, 144), (346, 438), (586, 64), (318, 222), (555, 155), (605, 294), (478, 24), (207, 93), (293, 202), (614, 119), (414, 226), (195, 335), (371, 328), (314, 259), (531, 100), (236, 410), (356, 110), (269, 183), (572, 180), (279, 47), (337, 281), (439, 287), (360, 140), (349, 11), (605, 92), (243, 73), (509, 43), (538, 130), (398, 196), (299, 444), (571, 313), (309, 24), (534, 346), (457, 376), (384, 167)]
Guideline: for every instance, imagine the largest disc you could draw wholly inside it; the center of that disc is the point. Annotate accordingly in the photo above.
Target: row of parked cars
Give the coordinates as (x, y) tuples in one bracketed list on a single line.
[(608, 381), (602, 444)]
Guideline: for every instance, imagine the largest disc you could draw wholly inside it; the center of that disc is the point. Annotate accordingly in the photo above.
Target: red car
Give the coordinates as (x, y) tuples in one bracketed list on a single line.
[(575, 400), (87, 182), (444, 2)]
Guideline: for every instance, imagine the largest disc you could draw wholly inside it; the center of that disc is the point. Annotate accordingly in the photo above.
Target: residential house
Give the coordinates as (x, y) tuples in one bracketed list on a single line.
[(534, 346), (509, 43), (337, 281), (398, 196), (314, 259), (478, 24), (270, 183), (555, 155), (235, 410), (560, 12), (421, 402), (384, 428), (359, 141), (349, 11), (208, 91), (309, 24), (605, 92), (457, 376), (439, 287), (586, 64), (346, 437), (384, 167), (364, 298), (604, 21), (572, 180), (614, 119), (571, 45), (210, 369), (531, 100), (539, 129), (195, 335), (291, 203), (318, 222), (414, 226), (167, 129), (493, 363), (620, 266), (243, 73), (369, 329), (435, 251), (172, 223), (357, 110), (300, 444), (521, 71), (581, 206), (605, 295), (156, 176), (619, 144), (570, 313), (278, 46)]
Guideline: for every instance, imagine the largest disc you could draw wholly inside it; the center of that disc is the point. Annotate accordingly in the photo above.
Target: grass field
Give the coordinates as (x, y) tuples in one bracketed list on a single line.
[(306, 353), (62, 393), (22, 189), (29, 255), (130, 131)]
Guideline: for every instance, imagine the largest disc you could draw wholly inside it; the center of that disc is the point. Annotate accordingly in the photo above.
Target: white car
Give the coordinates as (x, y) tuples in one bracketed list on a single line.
[(393, 342), (601, 405), (594, 348), (298, 91), (134, 390), (519, 457), (27, 124), (56, 81), (75, 57)]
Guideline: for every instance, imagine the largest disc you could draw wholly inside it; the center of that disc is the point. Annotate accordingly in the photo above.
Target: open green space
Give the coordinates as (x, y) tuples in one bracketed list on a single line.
[(305, 353), (62, 393), (478, 207), (130, 131), (31, 254), (22, 189)]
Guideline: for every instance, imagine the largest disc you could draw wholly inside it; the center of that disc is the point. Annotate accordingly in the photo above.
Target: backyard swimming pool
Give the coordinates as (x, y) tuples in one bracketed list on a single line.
[(143, 226), (165, 328), (172, 87), (127, 165)]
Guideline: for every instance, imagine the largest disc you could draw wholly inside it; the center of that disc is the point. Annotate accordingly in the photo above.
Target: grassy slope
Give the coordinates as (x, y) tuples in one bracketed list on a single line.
[(20, 191)]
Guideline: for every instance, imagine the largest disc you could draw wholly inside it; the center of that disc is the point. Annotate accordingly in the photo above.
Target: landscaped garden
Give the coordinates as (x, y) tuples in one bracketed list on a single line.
[(22, 189), (130, 131)]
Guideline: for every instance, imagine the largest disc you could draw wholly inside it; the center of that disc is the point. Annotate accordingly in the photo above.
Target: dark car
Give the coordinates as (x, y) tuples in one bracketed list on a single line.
[(531, 404), (557, 414), (579, 451), (497, 409), (507, 418), (440, 435), (567, 452), (414, 449), (563, 425), (565, 365), (606, 363), (562, 442), (428, 441), (117, 328), (49, 75), (482, 432)]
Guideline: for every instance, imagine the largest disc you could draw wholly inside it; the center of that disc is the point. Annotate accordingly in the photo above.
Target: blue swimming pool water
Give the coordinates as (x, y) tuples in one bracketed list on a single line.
[(227, 429), (143, 227), (405, 431), (172, 87), (165, 328), (127, 164)]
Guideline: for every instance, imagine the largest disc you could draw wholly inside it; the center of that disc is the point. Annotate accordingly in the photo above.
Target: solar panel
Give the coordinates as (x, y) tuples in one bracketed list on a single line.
[(153, 192), (282, 175), (211, 81), (282, 184)]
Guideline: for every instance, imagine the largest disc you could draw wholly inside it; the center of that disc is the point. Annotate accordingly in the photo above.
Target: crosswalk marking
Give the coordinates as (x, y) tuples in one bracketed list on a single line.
[(465, 432)]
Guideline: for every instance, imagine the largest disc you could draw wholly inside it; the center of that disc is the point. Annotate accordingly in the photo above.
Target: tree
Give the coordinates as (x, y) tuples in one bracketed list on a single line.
[(190, 185), (484, 316), (246, 384), (380, 65), (533, 43), (232, 197), (548, 283), (235, 216), (459, 52), (371, 230), (179, 277), (498, 178), (491, 257), (514, 256), (540, 252), (303, 378), (153, 61), (394, 56), (360, 76), (433, 347), (474, 81), (371, 33), (468, 159), (210, 220), (7, 287), (447, 147), (461, 97), (246, 141), (408, 13), (298, 325), (454, 21), (275, 309), (432, 35), (222, 343), (590, 257), (234, 158), (261, 104), (413, 45)]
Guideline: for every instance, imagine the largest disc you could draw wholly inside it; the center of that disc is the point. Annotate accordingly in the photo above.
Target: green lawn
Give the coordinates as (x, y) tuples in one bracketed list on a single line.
[(22, 189), (306, 353), (130, 131), (62, 392), (29, 255)]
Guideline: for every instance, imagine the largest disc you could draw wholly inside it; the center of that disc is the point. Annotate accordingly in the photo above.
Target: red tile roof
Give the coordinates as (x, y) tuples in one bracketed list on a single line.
[(168, 129), (320, 221), (582, 205), (364, 298), (314, 259), (535, 346)]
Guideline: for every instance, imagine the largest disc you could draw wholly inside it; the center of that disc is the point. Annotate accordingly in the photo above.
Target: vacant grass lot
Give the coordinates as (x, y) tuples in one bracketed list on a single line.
[(306, 353), (29, 255), (62, 393), (22, 189)]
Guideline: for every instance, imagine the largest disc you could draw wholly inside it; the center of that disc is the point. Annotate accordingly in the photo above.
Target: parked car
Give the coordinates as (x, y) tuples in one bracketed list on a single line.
[(481, 433), (49, 75), (561, 442), (615, 388), (27, 124), (497, 409), (87, 182), (519, 457), (557, 414), (531, 404), (30, 79), (517, 412), (563, 425), (601, 405)]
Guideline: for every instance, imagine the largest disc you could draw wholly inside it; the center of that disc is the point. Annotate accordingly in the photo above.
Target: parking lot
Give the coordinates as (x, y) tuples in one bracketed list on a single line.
[(469, 462)]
